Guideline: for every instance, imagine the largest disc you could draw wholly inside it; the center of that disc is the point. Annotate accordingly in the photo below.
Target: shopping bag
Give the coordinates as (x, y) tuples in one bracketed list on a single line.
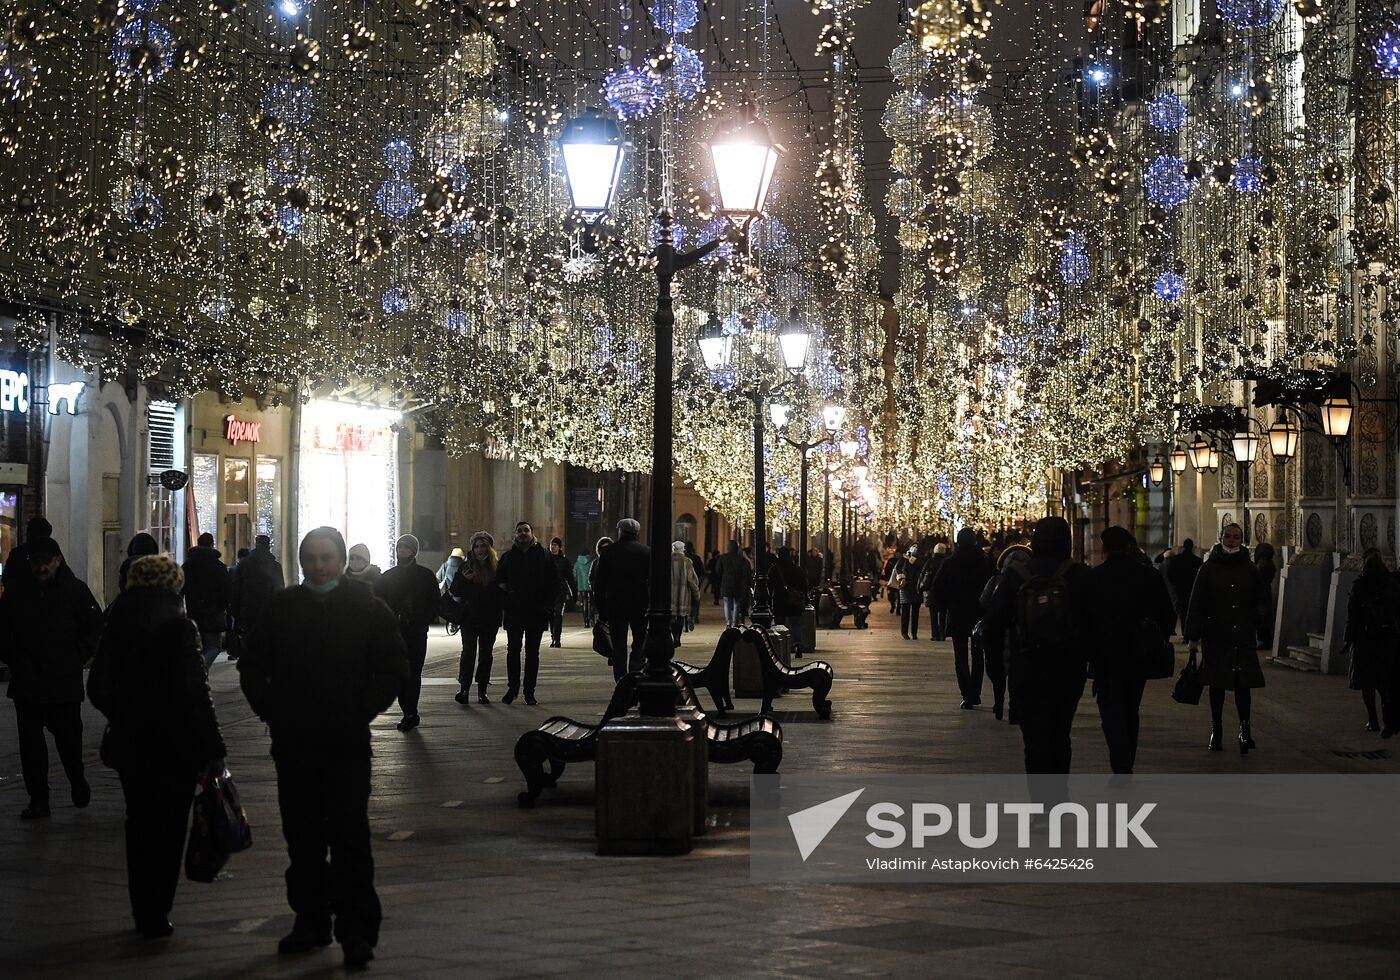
[(602, 640), (218, 826), (1188, 684)]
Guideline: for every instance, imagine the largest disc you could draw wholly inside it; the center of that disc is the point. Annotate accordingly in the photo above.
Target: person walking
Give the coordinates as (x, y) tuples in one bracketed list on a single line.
[(326, 659), (259, 578), (887, 576), (529, 584), (788, 586), (1181, 570), (583, 587), (410, 590), (142, 544), (17, 568), (685, 590), (478, 597), (49, 627), (1268, 571), (1011, 562), (712, 574), (1133, 608), (1373, 632), (1227, 604), (735, 582), (621, 583), (359, 568), (812, 567), (905, 577), (694, 619), (565, 594), (207, 594), (148, 679), (958, 588), (1046, 607), (937, 613)]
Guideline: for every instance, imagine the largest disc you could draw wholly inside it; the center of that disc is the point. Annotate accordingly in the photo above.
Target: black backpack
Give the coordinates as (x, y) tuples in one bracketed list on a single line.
[(1041, 615)]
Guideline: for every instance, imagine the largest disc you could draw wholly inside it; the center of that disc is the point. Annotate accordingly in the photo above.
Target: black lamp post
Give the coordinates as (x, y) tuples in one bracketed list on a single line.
[(744, 157), (832, 416)]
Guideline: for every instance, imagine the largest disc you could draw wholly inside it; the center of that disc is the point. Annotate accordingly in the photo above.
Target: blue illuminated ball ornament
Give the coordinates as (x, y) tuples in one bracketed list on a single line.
[(769, 236), (143, 210), (674, 16), (1074, 261), (1169, 287), (1250, 15), (677, 234), (289, 219), (687, 72), (1387, 51), (291, 102), (457, 321), (394, 300), (1246, 178), (398, 155), (1166, 113), (396, 197), (460, 177), (632, 92), (130, 38), (1165, 181)]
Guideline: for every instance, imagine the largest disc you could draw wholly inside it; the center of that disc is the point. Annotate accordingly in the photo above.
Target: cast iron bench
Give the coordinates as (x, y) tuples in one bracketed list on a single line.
[(832, 608), (817, 676), (714, 676), (543, 753)]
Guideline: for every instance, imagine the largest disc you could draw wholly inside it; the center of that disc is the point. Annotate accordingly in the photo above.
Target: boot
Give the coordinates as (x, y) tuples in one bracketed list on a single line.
[(462, 697), (1246, 742), (1215, 742), (481, 697)]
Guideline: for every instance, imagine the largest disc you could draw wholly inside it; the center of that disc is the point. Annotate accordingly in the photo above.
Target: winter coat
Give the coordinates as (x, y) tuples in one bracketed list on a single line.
[(208, 589), (479, 600), (411, 592), (1264, 562), (958, 588), (685, 586), (528, 583), (621, 580), (1228, 602), (1126, 592), (369, 575), (259, 578), (735, 575), (1035, 673), (1373, 629), (785, 576), (48, 633), (565, 573), (319, 668), (1181, 570), (911, 568), (583, 565), (699, 567), (926, 579), (141, 545), (447, 571), (148, 679)]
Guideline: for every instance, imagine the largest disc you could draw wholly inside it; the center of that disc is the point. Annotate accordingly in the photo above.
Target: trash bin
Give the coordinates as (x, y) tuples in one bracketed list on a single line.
[(807, 631)]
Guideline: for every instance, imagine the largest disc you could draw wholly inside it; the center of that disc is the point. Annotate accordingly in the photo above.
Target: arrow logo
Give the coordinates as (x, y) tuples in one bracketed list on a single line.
[(810, 826)]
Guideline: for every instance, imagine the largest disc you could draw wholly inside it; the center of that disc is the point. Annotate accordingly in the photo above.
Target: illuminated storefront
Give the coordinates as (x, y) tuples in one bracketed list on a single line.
[(348, 474), (238, 474)]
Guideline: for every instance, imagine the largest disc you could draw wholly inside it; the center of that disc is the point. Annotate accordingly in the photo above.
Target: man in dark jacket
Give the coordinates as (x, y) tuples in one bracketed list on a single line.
[(207, 593), (259, 578), (565, 592), (1131, 604), (411, 592), (937, 612), (141, 546), (735, 581), (812, 567), (958, 589), (1048, 642), (1180, 570), (621, 587), (17, 562), (788, 585), (529, 584), (325, 660), (49, 627)]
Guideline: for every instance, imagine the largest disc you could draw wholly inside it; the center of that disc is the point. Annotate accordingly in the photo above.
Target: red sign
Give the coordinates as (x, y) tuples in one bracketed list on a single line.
[(238, 430), (347, 437)]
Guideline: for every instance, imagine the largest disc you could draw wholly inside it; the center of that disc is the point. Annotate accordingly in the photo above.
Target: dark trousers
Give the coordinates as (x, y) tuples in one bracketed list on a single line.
[(526, 634), (157, 817), (324, 800), (938, 622), (65, 722), (1046, 717), (993, 659), (967, 664), (556, 622), (416, 644), (909, 619), (477, 643), (677, 628), (1119, 699), (625, 660)]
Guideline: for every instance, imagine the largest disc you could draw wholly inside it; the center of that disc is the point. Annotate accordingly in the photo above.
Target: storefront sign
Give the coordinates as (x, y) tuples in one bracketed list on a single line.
[(347, 437), (238, 430), (65, 393), (14, 391)]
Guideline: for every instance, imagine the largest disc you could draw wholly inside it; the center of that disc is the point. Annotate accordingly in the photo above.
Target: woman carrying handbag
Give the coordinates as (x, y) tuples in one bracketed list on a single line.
[(148, 679)]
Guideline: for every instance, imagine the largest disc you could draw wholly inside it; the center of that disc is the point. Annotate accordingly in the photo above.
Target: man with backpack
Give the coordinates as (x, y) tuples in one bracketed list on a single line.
[(1046, 607)]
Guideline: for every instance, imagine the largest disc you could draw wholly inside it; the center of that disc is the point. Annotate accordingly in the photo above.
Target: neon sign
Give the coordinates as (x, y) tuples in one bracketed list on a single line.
[(238, 430), (14, 391)]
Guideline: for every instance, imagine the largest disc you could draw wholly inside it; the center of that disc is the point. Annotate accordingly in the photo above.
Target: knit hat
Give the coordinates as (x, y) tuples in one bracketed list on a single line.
[(360, 551), (490, 541), (156, 571), (42, 549), (407, 541), (677, 547)]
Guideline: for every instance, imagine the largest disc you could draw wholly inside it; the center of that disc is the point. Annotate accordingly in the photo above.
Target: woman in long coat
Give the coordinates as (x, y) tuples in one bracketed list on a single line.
[(1373, 631), (1228, 602), (478, 611)]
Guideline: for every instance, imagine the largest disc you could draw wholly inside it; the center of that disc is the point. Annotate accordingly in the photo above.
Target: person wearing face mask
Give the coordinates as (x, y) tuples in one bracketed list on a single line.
[(326, 659), (528, 585), (411, 591), (359, 568), (1228, 602), (478, 601)]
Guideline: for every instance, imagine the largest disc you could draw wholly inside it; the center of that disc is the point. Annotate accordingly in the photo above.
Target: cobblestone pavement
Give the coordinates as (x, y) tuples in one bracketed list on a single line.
[(475, 887)]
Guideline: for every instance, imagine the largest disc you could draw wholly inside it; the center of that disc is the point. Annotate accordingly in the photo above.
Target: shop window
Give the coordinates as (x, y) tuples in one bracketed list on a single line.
[(11, 509), (237, 529), (267, 517), (685, 529), (206, 493)]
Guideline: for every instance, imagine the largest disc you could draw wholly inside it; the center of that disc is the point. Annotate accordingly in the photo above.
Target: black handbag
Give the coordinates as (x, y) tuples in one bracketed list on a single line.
[(1155, 656), (218, 826), (1189, 684), (602, 640)]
